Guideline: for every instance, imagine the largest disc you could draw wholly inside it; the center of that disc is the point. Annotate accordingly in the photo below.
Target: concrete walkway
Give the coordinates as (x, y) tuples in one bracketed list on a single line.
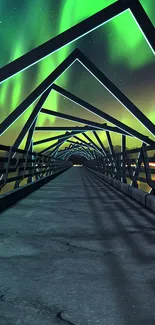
[(77, 252)]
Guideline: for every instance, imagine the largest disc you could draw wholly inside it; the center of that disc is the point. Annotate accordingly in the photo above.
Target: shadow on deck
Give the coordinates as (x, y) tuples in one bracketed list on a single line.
[(77, 251)]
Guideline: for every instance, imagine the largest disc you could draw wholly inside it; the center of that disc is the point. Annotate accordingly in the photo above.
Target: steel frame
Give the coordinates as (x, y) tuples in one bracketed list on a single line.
[(90, 124), (78, 31), (97, 155)]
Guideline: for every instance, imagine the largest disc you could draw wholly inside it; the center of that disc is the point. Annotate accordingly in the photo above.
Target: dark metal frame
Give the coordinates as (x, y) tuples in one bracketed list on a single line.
[(27, 165), (125, 166), (78, 31), (112, 163)]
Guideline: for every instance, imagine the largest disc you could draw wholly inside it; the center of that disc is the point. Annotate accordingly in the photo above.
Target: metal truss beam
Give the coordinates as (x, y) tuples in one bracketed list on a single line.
[(112, 152), (111, 148), (75, 144), (90, 153), (79, 30), (90, 144), (143, 22), (100, 143), (138, 165), (92, 124), (116, 92), (55, 151), (123, 149), (64, 152), (58, 143), (43, 90), (101, 114), (31, 119), (30, 136), (50, 147), (65, 128), (93, 144), (81, 147), (62, 136), (78, 152), (47, 83), (61, 152), (83, 144)]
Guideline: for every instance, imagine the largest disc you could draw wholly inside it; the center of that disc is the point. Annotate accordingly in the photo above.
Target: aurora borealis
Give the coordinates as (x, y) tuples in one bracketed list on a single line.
[(118, 48)]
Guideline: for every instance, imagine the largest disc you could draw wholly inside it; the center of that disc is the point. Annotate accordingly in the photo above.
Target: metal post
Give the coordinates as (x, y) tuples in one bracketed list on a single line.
[(112, 153), (123, 149)]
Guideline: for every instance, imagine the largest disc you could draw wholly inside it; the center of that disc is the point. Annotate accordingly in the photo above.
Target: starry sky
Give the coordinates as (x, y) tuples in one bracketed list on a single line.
[(117, 48)]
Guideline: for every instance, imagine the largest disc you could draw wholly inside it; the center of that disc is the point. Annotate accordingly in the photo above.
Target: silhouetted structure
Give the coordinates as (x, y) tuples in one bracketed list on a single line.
[(31, 165)]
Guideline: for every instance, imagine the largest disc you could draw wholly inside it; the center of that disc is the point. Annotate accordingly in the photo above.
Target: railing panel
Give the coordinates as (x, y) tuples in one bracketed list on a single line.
[(19, 167), (134, 167)]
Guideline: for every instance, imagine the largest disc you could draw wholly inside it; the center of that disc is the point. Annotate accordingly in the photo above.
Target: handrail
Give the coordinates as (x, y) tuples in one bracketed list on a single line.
[(28, 165), (121, 166)]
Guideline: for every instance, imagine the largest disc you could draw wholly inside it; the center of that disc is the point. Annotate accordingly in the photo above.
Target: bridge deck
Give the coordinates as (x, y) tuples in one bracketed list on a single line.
[(77, 252)]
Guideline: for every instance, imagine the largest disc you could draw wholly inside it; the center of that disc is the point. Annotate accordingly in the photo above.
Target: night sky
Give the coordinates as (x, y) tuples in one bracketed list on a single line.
[(117, 48)]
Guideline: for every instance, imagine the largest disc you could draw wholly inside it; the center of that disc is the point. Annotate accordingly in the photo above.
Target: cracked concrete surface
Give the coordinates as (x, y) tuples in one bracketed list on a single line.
[(77, 252)]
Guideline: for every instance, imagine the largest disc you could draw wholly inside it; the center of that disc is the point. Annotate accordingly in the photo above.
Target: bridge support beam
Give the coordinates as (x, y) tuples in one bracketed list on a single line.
[(123, 149)]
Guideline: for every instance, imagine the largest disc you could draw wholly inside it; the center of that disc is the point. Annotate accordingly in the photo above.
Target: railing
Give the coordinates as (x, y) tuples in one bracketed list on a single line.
[(128, 166), (17, 165)]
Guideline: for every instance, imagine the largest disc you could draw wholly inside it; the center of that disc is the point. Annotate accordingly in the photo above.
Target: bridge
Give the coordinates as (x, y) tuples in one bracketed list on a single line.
[(77, 241)]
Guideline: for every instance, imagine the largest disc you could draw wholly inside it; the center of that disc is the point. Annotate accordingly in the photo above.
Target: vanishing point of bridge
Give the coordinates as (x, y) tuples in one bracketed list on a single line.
[(77, 243)]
